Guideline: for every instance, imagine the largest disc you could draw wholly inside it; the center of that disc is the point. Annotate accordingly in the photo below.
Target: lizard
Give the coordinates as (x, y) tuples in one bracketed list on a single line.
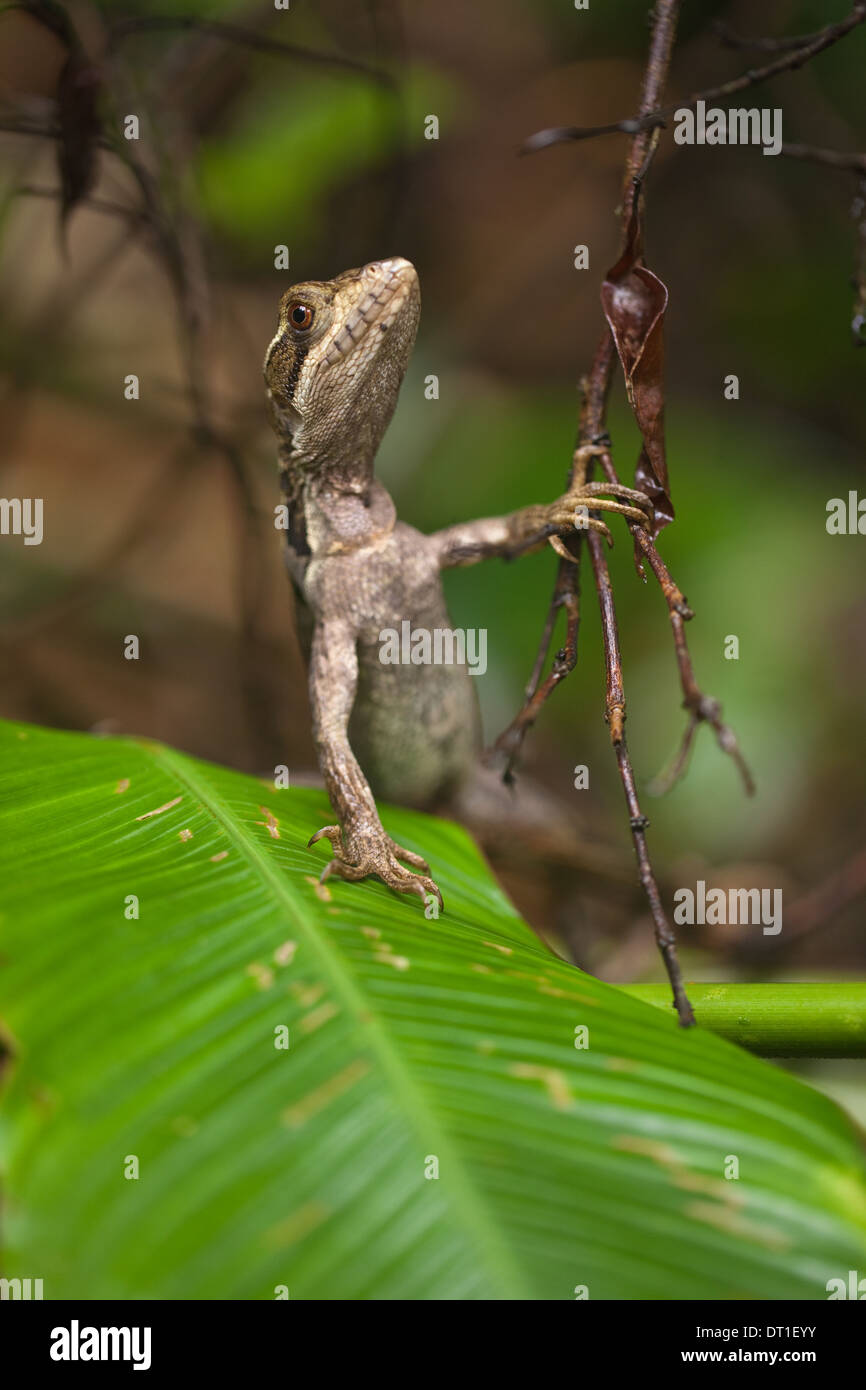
[(333, 371)]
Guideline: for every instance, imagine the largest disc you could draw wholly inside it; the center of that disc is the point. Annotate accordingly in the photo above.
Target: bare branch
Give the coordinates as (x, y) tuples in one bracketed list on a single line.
[(731, 39), (566, 595), (595, 389), (122, 29), (647, 120), (702, 708), (848, 163), (858, 212), (104, 205), (832, 159), (615, 716)]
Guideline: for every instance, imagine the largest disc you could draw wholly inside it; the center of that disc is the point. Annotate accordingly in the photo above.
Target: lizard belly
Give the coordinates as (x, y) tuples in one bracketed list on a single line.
[(415, 728)]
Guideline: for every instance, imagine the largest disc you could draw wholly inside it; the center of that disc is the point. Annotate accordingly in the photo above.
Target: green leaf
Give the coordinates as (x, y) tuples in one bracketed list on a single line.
[(415, 1045)]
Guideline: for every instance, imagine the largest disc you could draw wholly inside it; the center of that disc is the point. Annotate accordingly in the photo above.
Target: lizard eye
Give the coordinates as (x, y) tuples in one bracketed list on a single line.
[(300, 315)]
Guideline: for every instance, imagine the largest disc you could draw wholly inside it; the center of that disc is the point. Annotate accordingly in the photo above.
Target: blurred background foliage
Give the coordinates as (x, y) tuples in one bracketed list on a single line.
[(152, 530)]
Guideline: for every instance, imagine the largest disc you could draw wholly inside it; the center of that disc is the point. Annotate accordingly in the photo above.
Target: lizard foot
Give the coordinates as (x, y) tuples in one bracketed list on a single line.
[(571, 512), (375, 853)]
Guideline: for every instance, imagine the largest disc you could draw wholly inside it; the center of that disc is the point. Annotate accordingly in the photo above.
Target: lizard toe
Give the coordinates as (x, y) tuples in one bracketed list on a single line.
[(431, 888), (352, 873), (403, 880), (328, 832), (419, 884), (409, 856)]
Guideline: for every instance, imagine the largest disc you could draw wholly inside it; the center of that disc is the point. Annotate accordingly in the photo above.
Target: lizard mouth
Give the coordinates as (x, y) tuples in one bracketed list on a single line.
[(386, 288)]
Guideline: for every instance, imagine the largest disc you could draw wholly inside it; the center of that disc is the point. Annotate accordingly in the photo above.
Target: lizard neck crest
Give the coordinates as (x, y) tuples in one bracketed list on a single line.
[(333, 372)]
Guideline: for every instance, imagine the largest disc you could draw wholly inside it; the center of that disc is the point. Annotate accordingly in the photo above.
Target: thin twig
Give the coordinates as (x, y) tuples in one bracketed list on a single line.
[(25, 127), (177, 249), (858, 213), (566, 595), (647, 120), (615, 716), (702, 708), (183, 260), (833, 159), (592, 431), (122, 29), (595, 390), (103, 205), (848, 163), (851, 163), (815, 910), (731, 39)]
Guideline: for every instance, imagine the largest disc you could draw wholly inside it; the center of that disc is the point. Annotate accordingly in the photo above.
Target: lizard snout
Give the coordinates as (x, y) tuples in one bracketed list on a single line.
[(396, 267)]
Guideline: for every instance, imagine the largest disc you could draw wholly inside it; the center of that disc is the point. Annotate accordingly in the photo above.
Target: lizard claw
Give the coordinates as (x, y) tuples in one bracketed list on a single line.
[(328, 832), (375, 853), (591, 524), (629, 494), (573, 510)]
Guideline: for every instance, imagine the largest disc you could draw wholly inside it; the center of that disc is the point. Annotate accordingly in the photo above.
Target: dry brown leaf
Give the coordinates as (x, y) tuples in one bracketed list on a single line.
[(634, 300)]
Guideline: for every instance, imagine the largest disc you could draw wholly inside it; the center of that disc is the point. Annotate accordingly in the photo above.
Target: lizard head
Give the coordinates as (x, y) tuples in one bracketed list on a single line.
[(335, 364)]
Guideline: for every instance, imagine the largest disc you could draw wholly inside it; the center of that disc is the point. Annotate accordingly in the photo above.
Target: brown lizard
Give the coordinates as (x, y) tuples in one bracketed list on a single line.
[(333, 372)]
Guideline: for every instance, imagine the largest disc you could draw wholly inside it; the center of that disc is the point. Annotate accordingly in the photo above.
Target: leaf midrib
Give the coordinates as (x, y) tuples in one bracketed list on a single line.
[(463, 1192)]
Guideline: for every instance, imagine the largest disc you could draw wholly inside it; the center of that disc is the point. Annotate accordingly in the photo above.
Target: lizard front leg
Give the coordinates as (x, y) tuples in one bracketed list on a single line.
[(360, 844), (522, 532)]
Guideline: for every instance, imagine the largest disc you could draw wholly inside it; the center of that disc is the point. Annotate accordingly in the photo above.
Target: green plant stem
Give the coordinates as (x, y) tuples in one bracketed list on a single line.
[(777, 1020)]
